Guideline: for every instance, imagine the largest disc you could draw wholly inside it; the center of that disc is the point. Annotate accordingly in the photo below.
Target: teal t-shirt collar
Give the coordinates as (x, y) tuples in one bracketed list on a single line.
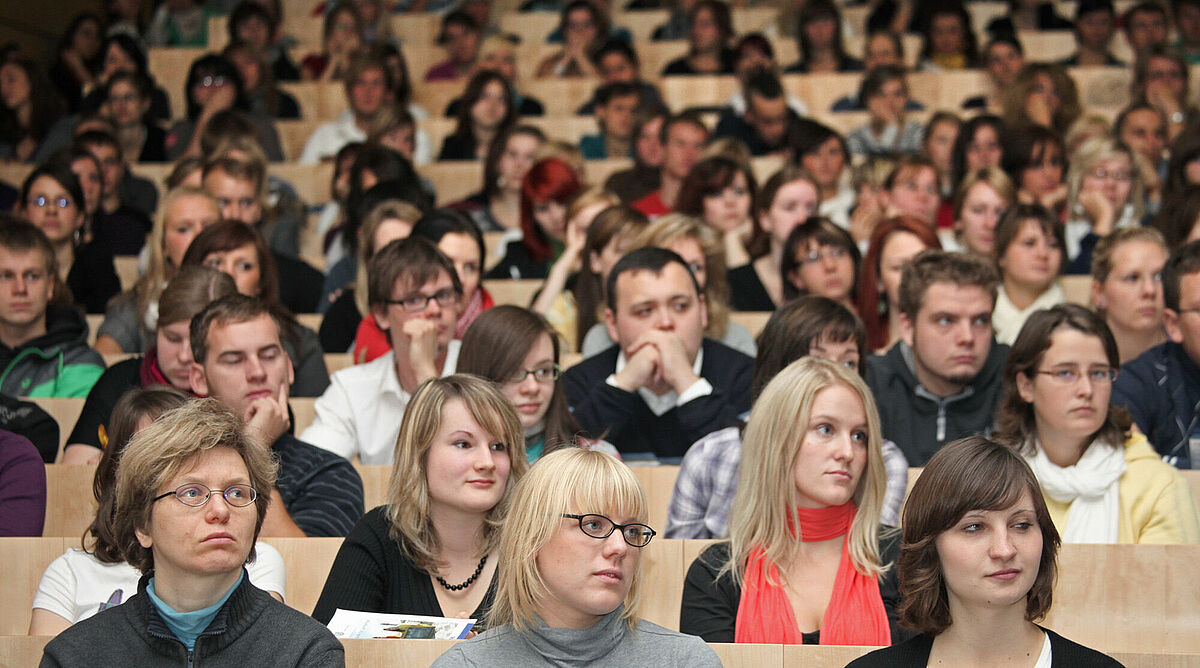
[(187, 626)]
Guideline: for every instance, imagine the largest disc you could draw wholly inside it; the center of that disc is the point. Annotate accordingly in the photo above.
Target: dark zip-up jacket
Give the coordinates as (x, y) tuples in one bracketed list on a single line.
[(251, 629), (920, 422)]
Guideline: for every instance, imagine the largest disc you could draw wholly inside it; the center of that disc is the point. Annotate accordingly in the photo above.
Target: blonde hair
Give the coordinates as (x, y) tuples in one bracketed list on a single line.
[(991, 176), (675, 227), (408, 491), (165, 448), (150, 286), (568, 480), (764, 508), (588, 197), (1091, 153), (728, 147)]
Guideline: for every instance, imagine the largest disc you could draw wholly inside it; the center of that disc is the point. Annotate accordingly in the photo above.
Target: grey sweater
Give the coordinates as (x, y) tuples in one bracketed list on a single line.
[(251, 629), (608, 643)]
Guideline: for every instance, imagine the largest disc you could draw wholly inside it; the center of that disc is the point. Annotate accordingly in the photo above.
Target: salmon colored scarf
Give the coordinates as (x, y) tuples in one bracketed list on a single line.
[(855, 615)]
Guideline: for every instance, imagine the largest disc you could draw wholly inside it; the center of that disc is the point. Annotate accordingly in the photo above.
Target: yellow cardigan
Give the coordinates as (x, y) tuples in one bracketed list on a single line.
[(1157, 505)]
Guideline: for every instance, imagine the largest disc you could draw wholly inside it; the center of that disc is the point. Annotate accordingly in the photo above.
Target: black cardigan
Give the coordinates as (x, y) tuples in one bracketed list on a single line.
[(628, 422), (915, 653), (710, 605), (371, 574)]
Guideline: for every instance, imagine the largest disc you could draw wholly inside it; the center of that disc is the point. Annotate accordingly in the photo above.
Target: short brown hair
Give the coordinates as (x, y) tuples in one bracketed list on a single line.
[(19, 235), (227, 309), (936, 266), (1015, 421), (973, 473), (160, 451), (242, 170), (414, 259)]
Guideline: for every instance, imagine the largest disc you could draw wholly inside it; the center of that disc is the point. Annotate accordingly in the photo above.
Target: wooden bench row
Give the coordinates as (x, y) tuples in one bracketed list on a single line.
[(1116, 598)]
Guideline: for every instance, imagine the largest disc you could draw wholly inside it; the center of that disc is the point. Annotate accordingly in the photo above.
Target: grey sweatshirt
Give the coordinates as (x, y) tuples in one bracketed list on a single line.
[(608, 643)]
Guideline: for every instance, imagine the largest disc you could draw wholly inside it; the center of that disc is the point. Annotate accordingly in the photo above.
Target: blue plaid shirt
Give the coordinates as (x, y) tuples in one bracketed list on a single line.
[(707, 482)]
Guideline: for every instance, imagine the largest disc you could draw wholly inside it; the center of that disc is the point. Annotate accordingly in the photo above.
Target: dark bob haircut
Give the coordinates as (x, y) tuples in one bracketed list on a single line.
[(973, 473)]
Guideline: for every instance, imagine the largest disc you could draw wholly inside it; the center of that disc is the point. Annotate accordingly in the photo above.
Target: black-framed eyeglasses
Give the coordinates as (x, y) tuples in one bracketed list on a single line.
[(542, 374), (599, 526), (418, 302), (196, 495)]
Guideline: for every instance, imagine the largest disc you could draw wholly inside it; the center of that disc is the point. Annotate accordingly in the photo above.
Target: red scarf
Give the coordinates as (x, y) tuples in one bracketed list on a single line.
[(855, 615), (479, 302)]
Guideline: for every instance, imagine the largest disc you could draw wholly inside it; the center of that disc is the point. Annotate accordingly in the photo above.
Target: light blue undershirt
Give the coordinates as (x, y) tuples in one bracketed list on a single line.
[(187, 626)]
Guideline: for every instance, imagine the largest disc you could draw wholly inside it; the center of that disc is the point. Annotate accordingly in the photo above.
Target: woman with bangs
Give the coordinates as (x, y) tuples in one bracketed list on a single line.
[(548, 187), (820, 258), (700, 249), (434, 548), (807, 561), (1036, 161), (519, 351), (572, 580), (1029, 253), (1105, 192), (978, 567), (484, 111), (1102, 481), (790, 197), (720, 191)]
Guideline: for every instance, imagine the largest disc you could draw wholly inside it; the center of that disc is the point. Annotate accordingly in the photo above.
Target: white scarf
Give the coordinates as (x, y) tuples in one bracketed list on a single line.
[(1091, 486)]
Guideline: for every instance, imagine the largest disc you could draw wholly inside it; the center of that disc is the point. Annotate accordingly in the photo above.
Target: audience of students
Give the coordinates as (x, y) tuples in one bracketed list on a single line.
[(656, 382)]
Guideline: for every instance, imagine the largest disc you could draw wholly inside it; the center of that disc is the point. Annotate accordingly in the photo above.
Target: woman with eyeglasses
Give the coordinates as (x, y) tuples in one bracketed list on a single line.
[(191, 495), (820, 258), (519, 351), (571, 585), (433, 550), (807, 560), (85, 581), (53, 200), (1103, 483), (1104, 191)]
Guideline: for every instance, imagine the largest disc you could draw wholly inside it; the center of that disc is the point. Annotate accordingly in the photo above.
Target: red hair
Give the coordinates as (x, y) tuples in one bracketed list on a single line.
[(548, 179), (871, 302)]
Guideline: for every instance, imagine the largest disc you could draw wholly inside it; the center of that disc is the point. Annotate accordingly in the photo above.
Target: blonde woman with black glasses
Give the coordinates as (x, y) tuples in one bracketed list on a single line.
[(569, 591)]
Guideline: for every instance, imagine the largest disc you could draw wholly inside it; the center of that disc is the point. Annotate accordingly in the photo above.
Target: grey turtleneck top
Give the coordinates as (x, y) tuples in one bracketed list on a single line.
[(607, 643)]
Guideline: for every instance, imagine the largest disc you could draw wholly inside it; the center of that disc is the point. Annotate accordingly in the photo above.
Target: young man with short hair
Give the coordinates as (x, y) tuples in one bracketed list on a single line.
[(43, 346), (663, 385), (1146, 25), (764, 126), (118, 222), (239, 360), (616, 104), (369, 88), (683, 137), (942, 381), (1161, 387), (414, 294)]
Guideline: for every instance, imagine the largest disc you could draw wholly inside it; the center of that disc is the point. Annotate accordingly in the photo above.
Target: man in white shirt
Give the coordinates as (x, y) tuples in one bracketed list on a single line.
[(369, 87), (414, 295)]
